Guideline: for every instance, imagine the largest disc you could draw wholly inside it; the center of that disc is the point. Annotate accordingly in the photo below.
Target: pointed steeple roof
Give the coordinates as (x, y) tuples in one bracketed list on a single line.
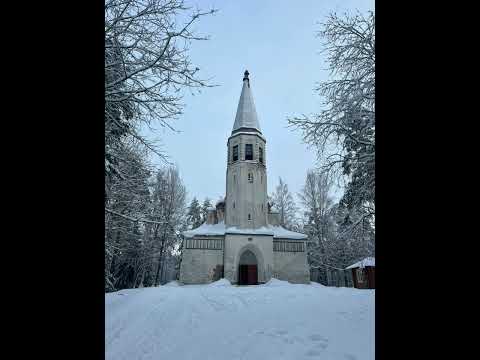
[(246, 118)]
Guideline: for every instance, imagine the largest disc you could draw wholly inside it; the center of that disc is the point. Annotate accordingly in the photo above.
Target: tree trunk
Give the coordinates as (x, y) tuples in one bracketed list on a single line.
[(160, 260)]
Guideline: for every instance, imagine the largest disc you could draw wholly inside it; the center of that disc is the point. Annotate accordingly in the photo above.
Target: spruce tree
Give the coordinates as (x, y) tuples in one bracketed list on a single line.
[(194, 214), (206, 204)]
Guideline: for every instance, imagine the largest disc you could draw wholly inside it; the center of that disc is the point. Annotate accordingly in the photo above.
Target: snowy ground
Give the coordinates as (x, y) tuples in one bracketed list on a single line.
[(207, 322)]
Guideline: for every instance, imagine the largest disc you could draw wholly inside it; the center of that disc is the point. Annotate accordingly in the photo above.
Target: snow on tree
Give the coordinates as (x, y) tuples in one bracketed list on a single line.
[(206, 204), (168, 210), (147, 69), (147, 63), (319, 221), (194, 214), (128, 199), (344, 131), (283, 201)]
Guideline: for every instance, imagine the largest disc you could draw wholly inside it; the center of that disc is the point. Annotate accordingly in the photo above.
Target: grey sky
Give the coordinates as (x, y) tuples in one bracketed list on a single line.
[(275, 40)]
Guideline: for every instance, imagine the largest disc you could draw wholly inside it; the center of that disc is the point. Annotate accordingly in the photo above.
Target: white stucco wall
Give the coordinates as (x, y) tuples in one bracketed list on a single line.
[(261, 246), (249, 197), (291, 266), (198, 265)]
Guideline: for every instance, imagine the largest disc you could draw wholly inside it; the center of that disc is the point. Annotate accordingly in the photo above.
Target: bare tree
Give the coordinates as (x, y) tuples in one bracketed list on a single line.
[(344, 132), (128, 199), (319, 220), (147, 70), (147, 67), (282, 199), (316, 198), (169, 210)]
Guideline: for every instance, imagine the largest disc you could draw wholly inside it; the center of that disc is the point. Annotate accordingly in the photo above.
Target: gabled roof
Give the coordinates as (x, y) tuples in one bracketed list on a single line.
[(246, 117)]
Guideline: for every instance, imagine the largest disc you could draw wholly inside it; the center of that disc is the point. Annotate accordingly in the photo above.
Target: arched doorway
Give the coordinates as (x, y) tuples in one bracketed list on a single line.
[(248, 269)]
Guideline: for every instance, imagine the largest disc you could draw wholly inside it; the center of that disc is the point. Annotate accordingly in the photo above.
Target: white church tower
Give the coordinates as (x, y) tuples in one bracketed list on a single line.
[(242, 240), (246, 190)]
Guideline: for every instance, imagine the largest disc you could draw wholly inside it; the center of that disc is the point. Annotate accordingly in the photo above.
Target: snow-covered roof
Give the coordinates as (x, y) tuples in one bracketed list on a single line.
[(282, 233), (210, 208), (369, 261), (278, 232), (246, 114), (260, 231), (206, 229)]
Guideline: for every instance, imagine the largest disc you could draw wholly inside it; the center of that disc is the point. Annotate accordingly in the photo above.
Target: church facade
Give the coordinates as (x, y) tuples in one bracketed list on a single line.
[(242, 239)]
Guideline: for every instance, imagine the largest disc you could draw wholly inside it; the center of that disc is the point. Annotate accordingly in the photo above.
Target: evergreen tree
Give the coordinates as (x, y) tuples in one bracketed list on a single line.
[(194, 214), (206, 204)]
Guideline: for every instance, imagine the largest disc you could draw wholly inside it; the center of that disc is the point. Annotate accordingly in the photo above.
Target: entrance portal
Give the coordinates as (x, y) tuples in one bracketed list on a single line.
[(247, 269)]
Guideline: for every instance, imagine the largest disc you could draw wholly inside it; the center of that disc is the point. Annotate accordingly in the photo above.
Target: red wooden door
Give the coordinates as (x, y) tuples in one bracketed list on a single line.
[(252, 275)]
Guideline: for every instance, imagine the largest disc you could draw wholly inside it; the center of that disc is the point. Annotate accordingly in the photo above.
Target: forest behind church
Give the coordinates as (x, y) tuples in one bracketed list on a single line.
[(148, 68)]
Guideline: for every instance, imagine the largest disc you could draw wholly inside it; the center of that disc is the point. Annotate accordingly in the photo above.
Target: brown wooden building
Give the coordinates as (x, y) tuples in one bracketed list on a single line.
[(363, 273)]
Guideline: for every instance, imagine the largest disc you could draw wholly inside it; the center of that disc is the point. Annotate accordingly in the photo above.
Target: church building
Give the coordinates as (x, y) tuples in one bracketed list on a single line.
[(242, 239)]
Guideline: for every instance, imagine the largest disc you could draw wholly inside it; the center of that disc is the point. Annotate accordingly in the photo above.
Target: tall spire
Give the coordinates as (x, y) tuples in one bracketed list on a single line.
[(246, 114)]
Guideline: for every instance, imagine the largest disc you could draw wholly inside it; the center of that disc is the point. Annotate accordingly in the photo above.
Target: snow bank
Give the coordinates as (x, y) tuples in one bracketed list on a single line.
[(276, 282), (294, 322), (172, 283), (221, 282)]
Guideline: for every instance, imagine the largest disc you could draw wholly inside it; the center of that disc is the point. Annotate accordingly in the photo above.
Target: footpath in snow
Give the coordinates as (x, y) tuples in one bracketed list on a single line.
[(274, 321)]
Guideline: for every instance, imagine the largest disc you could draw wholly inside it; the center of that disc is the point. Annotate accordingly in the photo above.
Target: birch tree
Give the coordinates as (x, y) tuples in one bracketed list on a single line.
[(147, 69), (128, 199), (283, 200), (168, 210), (319, 220), (343, 133)]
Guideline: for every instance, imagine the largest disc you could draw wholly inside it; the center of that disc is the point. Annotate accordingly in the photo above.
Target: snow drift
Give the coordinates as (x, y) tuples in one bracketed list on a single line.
[(221, 282), (290, 321), (276, 282)]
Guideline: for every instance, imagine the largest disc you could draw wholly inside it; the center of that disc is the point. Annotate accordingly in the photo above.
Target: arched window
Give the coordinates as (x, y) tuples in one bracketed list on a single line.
[(260, 155), (235, 153), (248, 152), (249, 217), (250, 177)]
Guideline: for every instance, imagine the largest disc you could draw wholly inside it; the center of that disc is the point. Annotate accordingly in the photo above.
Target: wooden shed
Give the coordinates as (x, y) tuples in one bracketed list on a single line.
[(363, 273)]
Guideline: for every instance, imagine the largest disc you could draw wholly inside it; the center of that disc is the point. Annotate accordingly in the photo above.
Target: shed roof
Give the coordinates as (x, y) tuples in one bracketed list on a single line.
[(369, 261)]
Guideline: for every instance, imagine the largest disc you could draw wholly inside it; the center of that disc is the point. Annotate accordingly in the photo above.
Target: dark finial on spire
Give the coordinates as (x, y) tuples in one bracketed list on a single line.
[(245, 75)]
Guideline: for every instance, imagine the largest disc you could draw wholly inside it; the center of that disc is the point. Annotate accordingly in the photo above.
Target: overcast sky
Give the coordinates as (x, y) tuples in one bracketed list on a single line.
[(275, 40)]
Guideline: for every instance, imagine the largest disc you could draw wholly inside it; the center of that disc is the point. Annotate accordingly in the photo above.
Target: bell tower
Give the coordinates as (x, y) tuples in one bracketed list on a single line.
[(246, 180)]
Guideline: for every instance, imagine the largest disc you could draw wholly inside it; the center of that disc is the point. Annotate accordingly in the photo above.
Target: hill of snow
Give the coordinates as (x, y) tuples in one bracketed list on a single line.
[(272, 321)]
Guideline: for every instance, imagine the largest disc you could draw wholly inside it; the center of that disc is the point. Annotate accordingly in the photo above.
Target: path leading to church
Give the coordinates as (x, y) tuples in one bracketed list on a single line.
[(219, 321)]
